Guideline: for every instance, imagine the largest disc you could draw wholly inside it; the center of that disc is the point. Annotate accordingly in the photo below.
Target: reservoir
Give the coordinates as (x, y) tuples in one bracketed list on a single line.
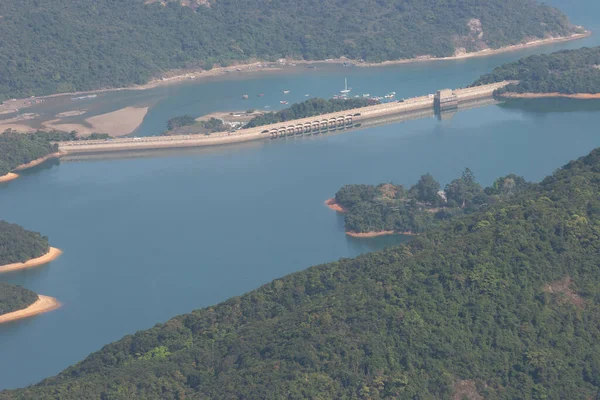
[(148, 238)]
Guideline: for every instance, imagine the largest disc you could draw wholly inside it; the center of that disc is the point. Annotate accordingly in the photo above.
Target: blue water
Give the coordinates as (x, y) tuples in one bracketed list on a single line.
[(145, 239)]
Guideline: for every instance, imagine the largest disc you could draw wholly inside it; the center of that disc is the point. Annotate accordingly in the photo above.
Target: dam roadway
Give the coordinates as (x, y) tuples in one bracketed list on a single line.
[(316, 124)]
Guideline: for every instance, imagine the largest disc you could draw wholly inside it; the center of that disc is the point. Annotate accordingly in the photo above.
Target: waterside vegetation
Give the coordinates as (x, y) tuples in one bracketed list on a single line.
[(14, 298), (309, 108), (563, 72), (502, 302), (393, 208), (94, 44)]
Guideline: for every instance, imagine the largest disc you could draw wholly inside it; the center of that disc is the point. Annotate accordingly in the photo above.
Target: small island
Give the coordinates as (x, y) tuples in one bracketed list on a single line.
[(387, 209), (568, 73), (20, 249)]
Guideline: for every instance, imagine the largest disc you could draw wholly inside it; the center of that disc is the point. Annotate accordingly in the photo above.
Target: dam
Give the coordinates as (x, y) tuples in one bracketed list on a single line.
[(423, 105)]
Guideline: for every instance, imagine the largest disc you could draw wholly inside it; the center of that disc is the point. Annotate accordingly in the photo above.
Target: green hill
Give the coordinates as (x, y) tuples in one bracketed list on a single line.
[(60, 46), (503, 303), (13, 298), (567, 72), (389, 207), (18, 245)]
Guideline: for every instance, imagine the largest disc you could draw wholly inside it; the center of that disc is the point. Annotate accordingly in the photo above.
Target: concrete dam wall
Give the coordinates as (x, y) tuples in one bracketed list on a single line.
[(316, 124)]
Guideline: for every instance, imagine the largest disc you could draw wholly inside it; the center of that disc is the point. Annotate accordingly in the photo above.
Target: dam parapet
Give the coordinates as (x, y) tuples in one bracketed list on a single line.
[(310, 125)]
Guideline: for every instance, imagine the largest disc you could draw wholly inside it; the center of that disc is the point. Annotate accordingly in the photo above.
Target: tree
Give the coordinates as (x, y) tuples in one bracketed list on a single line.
[(426, 190)]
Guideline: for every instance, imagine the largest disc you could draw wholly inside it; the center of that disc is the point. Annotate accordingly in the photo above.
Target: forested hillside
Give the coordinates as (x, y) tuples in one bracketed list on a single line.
[(13, 298), (18, 244), (309, 108), (502, 303), (422, 207), (59, 46), (567, 72), (17, 149)]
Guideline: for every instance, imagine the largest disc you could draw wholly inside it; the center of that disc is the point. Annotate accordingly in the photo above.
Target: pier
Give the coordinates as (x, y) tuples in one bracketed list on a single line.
[(342, 120)]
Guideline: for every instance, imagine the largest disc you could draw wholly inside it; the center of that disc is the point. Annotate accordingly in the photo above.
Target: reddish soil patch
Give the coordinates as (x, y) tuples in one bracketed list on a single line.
[(466, 390), (565, 294), (334, 206)]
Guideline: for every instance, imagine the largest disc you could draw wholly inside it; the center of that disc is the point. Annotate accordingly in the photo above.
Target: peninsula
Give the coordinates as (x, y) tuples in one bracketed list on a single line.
[(21, 249), (388, 209), (501, 302), (43, 304), (569, 73)]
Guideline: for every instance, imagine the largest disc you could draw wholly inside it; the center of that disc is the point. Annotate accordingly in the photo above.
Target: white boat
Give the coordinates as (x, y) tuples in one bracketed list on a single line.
[(346, 90), (286, 91), (366, 95), (283, 102)]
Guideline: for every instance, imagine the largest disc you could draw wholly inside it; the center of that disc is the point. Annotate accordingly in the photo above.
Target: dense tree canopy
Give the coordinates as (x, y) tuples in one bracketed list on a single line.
[(13, 298), (309, 108), (17, 149), (504, 301), (389, 207), (62, 46), (19, 245), (567, 71)]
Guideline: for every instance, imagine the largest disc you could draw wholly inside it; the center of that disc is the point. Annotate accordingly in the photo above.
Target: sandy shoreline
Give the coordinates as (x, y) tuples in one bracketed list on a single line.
[(377, 234), (483, 53), (51, 255), (42, 305), (39, 161), (178, 76), (331, 203), (11, 175), (8, 177), (584, 96), (116, 123)]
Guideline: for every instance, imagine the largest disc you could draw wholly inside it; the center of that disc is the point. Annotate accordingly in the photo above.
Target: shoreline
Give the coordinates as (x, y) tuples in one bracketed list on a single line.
[(52, 254), (333, 205), (581, 96), (39, 161), (485, 52), (374, 234), (42, 305), (259, 66), (12, 176), (8, 177)]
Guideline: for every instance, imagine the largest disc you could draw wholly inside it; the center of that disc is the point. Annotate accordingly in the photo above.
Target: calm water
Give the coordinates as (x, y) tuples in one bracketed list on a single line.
[(148, 238)]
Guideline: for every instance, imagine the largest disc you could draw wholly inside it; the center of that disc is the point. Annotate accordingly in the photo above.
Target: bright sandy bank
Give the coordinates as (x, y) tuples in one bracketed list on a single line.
[(117, 123), (51, 255), (8, 177), (42, 305), (585, 96), (378, 233), (332, 204), (38, 161)]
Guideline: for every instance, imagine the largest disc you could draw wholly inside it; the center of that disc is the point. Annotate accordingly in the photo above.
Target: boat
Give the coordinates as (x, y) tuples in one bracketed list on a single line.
[(346, 90), (286, 91), (390, 95), (283, 102), (366, 95), (89, 96), (261, 94), (306, 95), (245, 96)]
